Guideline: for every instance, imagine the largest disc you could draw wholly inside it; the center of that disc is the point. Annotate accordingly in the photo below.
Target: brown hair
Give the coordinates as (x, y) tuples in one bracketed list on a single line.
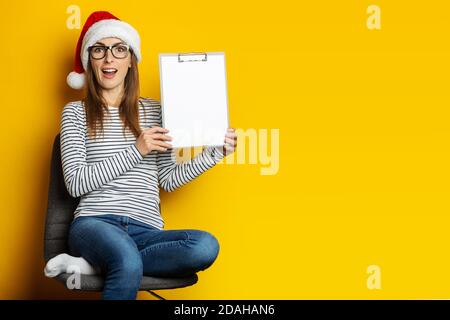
[(95, 105)]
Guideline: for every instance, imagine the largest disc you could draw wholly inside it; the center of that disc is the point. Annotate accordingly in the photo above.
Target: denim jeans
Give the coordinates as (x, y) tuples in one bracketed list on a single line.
[(125, 249)]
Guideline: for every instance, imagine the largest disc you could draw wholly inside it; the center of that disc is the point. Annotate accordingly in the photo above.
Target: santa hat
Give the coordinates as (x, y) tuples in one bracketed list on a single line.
[(99, 25)]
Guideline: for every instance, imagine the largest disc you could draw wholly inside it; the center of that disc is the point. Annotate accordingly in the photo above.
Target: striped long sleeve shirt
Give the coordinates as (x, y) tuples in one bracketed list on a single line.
[(110, 175)]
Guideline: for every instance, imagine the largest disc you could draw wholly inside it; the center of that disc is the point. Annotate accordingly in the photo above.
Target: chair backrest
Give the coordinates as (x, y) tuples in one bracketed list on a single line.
[(60, 208)]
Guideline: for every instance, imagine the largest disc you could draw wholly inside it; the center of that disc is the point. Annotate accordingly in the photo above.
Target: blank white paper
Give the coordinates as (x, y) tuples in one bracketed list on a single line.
[(194, 98)]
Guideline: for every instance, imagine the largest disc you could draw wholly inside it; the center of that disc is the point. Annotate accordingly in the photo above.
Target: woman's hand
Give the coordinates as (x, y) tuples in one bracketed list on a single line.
[(230, 142), (152, 139)]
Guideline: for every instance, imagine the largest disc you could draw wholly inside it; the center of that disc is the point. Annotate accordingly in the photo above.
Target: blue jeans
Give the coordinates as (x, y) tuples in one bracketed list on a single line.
[(125, 249)]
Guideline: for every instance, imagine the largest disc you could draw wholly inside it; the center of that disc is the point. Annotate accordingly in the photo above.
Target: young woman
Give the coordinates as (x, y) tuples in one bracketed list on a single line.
[(115, 156)]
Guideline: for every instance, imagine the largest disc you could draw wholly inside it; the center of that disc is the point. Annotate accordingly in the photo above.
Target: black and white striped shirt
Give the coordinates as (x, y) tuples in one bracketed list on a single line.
[(111, 176)]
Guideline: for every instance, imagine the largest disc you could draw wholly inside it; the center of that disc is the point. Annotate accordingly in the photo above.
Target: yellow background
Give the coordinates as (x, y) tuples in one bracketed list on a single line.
[(364, 158)]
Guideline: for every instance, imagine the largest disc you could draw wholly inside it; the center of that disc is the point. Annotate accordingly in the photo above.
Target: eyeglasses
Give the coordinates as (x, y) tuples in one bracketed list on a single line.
[(119, 51)]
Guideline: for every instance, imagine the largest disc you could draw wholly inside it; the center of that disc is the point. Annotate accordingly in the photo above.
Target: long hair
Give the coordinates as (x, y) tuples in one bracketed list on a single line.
[(96, 106)]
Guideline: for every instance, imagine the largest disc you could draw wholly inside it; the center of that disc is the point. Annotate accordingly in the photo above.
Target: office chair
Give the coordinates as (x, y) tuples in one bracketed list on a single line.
[(60, 208)]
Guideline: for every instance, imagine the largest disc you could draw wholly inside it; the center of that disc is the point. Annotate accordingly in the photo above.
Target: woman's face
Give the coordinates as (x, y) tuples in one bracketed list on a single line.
[(110, 71)]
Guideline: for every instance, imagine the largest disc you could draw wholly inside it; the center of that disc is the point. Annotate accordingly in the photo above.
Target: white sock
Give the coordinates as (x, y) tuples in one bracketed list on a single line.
[(66, 263)]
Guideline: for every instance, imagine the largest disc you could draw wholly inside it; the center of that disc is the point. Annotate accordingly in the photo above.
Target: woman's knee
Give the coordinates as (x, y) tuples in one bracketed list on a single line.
[(206, 248)]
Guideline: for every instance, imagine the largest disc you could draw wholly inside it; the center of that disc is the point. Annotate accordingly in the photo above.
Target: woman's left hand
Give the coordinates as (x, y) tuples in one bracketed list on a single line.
[(230, 142)]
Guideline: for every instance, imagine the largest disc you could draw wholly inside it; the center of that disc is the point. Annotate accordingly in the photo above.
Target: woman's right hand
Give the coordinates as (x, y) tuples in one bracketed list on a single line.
[(152, 139)]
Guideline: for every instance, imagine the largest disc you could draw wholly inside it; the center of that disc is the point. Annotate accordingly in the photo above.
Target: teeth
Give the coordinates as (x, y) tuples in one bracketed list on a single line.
[(109, 70)]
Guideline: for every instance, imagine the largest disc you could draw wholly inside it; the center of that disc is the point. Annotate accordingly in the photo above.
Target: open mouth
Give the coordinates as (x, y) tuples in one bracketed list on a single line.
[(109, 72)]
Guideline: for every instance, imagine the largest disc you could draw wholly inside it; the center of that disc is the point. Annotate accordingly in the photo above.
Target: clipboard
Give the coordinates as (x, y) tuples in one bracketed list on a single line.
[(194, 98)]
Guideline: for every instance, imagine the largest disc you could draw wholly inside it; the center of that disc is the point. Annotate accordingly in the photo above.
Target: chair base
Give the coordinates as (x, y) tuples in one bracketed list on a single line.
[(155, 295)]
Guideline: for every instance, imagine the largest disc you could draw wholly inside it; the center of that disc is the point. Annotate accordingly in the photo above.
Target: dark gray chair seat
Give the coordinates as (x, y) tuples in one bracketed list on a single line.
[(95, 282), (60, 208)]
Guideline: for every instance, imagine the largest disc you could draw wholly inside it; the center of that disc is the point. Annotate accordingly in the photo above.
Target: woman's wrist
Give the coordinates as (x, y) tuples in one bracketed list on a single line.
[(139, 150)]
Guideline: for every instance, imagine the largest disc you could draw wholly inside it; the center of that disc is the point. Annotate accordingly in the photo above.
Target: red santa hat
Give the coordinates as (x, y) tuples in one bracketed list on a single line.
[(99, 25)]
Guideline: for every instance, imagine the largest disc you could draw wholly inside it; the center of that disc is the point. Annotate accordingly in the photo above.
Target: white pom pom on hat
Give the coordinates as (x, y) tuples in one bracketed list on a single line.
[(99, 25), (76, 80)]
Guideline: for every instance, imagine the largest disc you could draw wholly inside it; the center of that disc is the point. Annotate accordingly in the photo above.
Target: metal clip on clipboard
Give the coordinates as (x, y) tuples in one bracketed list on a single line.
[(182, 57)]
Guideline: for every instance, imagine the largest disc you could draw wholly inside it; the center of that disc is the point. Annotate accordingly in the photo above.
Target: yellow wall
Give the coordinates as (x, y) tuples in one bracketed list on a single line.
[(363, 129)]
